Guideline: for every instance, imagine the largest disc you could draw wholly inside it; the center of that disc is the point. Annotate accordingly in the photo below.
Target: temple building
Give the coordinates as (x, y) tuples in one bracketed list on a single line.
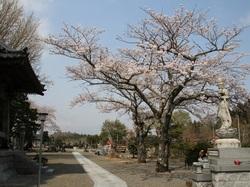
[(16, 76)]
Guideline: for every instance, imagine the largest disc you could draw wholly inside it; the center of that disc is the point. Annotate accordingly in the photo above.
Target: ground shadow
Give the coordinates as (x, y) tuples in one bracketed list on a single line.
[(61, 168), (60, 163)]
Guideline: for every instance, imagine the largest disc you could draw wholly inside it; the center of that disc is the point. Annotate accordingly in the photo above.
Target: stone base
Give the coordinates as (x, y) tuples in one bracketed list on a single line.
[(223, 160), (226, 172), (202, 177), (226, 133), (202, 184), (236, 179), (227, 143)]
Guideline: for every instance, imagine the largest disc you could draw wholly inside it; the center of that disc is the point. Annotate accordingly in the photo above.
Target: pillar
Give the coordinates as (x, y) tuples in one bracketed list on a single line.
[(5, 121)]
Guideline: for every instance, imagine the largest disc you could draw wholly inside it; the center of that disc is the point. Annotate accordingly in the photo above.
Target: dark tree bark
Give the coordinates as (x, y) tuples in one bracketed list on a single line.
[(141, 148), (162, 164)]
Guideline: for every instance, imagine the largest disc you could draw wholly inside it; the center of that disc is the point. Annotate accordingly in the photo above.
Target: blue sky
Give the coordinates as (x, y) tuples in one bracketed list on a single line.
[(112, 16)]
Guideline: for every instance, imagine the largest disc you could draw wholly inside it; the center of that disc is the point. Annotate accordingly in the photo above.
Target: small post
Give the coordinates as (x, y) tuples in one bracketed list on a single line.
[(238, 122), (117, 138), (42, 119), (213, 130)]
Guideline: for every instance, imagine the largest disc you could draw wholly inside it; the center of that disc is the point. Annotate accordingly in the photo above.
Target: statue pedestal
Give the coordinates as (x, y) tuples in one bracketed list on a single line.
[(226, 133), (230, 166), (227, 143)]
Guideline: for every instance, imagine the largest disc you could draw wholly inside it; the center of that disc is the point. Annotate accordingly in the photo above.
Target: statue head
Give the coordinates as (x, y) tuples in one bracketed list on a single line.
[(222, 90)]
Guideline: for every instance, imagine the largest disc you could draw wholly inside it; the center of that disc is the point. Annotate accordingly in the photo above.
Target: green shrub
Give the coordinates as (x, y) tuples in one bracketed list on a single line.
[(192, 154), (132, 148)]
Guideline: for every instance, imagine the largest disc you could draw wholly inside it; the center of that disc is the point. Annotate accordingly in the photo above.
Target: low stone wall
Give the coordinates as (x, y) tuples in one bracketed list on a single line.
[(23, 165), (7, 169), (15, 162)]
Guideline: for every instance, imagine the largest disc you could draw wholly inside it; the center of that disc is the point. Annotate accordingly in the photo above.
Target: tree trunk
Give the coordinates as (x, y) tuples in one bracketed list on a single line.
[(162, 164), (141, 134), (141, 149)]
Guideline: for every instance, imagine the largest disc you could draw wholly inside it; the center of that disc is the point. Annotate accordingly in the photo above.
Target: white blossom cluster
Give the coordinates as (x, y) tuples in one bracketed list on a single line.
[(175, 63)]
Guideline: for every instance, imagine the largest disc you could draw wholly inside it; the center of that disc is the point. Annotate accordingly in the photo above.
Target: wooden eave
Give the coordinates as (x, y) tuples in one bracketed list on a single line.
[(16, 72)]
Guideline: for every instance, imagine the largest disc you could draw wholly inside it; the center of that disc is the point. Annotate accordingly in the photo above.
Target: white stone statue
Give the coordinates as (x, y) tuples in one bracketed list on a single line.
[(223, 111), (224, 118)]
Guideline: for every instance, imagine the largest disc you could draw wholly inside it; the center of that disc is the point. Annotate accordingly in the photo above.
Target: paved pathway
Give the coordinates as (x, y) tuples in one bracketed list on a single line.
[(100, 176)]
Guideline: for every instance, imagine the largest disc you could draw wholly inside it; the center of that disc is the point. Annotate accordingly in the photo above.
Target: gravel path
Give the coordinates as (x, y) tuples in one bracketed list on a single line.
[(141, 175)]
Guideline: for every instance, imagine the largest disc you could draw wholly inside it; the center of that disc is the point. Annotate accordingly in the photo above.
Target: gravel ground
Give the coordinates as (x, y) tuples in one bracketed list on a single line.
[(141, 175), (68, 173)]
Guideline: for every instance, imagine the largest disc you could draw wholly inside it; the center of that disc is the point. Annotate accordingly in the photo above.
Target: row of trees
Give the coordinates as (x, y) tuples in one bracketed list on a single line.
[(172, 63), (187, 137), (68, 139), (112, 131)]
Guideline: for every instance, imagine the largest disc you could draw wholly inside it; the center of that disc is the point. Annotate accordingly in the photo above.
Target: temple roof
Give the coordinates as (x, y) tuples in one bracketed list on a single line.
[(16, 72)]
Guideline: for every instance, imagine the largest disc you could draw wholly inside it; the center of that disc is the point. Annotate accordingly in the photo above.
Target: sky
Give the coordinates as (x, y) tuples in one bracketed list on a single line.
[(112, 16)]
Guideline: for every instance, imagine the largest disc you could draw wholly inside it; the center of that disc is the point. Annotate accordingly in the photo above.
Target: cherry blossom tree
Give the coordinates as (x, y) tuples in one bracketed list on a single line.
[(175, 62), (99, 68), (189, 54)]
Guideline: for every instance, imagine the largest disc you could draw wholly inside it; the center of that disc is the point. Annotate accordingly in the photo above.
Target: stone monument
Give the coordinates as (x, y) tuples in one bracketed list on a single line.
[(227, 135), (229, 164)]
